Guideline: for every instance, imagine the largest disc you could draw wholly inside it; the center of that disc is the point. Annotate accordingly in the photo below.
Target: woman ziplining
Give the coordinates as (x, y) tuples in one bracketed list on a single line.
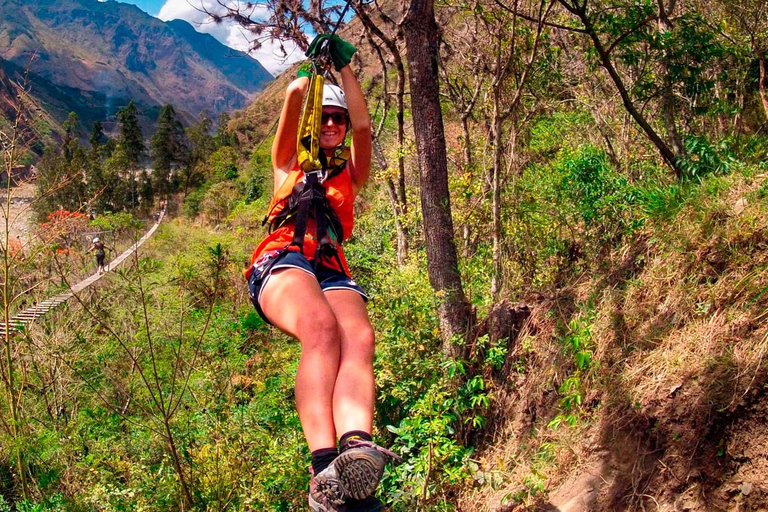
[(300, 282)]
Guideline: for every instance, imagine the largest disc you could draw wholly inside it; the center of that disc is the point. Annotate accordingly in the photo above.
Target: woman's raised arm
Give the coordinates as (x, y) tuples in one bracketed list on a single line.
[(361, 128), (284, 145)]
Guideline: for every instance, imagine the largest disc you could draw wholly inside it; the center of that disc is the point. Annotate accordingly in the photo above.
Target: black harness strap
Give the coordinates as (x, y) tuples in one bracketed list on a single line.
[(304, 196), (309, 198)]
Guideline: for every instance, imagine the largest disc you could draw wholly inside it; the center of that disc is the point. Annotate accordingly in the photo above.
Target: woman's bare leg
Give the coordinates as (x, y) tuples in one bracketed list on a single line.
[(354, 394), (294, 303)]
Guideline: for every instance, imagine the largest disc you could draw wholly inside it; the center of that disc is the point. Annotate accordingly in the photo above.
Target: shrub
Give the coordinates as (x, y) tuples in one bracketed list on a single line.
[(704, 158)]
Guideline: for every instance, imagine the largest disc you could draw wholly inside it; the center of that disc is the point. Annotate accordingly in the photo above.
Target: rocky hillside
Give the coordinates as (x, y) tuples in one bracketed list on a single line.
[(35, 127), (93, 57)]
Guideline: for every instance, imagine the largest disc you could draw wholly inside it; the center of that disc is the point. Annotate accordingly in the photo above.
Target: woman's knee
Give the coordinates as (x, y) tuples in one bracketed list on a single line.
[(319, 331), (361, 341)]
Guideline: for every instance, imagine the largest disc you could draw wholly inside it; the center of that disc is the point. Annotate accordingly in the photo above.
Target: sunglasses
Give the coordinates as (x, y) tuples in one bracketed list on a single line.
[(338, 118)]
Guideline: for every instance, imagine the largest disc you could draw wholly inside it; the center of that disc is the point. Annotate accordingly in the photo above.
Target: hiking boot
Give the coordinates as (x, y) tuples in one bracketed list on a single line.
[(360, 467), (325, 494)]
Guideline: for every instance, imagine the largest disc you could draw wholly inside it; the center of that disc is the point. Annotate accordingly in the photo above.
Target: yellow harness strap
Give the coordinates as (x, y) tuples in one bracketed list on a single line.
[(308, 144)]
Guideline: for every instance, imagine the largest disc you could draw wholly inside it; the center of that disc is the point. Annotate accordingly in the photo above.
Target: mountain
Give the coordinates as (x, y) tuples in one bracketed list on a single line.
[(94, 57), (23, 119)]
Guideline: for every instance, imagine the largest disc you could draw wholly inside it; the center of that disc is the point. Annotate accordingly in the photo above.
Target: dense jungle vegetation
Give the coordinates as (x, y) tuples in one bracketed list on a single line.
[(567, 260)]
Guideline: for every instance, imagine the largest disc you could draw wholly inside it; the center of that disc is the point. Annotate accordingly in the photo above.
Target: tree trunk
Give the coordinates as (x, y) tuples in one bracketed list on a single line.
[(496, 190), (13, 395), (177, 464), (421, 38), (668, 115), (401, 134), (402, 239), (763, 84), (467, 147), (466, 230), (667, 93)]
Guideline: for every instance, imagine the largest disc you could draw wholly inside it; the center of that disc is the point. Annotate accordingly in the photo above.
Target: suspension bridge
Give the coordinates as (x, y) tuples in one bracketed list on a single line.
[(29, 315)]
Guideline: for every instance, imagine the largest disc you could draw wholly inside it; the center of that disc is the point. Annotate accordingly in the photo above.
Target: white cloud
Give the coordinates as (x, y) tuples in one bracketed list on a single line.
[(230, 33)]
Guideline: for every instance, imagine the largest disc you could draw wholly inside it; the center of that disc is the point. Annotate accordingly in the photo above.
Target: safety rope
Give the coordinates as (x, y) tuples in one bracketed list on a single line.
[(308, 143)]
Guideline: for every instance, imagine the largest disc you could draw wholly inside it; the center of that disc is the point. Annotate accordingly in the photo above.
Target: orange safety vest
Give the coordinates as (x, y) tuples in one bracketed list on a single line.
[(340, 196)]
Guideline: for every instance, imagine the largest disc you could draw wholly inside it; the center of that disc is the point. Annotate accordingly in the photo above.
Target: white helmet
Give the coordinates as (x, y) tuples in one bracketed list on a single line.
[(333, 96), (96, 239)]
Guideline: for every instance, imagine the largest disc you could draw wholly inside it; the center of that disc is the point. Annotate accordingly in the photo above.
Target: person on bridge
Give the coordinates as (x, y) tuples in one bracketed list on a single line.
[(302, 285), (99, 247)]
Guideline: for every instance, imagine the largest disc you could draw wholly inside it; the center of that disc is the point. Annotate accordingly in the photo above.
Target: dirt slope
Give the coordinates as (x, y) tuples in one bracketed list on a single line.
[(672, 412)]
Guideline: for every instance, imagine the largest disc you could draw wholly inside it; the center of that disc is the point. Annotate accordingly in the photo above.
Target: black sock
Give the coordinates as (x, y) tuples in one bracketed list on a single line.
[(354, 434), (322, 458)]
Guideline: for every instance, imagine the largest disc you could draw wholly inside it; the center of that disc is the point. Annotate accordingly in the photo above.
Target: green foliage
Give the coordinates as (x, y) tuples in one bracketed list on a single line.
[(432, 439), (663, 202), (703, 158), (56, 503), (223, 164), (131, 139), (568, 210), (687, 50), (258, 174), (602, 197), (121, 221), (168, 148), (60, 181), (219, 201), (751, 149), (193, 201), (550, 133), (580, 346)]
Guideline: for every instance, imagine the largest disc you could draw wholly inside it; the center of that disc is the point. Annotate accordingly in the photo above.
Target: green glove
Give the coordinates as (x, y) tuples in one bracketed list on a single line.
[(305, 70), (315, 45), (340, 50)]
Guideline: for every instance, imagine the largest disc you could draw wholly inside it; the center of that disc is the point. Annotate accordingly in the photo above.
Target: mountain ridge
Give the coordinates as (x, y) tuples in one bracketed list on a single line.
[(94, 57)]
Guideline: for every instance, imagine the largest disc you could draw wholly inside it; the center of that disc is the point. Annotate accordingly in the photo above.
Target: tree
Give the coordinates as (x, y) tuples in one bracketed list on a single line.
[(61, 180), (97, 137), (223, 137), (746, 25), (581, 10), (201, 146), (511, 62), (421, 38), (98, 141), (169, 149), (71, 135), (666, 57), (131, 148), (131, 139), (389, 43), (201, 142), (13, 143)]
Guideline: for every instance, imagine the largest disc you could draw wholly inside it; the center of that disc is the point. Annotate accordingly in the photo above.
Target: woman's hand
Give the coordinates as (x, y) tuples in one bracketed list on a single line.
[(341, 52)]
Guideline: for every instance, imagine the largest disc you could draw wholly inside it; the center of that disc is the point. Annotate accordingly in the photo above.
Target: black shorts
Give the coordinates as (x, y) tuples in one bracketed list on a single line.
[(100, 259), (327, 278)]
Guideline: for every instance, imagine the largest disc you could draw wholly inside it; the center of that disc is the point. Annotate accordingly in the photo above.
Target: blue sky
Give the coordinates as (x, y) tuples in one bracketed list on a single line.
[(150, 6), (227, 33)]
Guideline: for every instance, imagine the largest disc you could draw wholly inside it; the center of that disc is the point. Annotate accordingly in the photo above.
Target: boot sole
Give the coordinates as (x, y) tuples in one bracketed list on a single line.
[(360, 472)]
